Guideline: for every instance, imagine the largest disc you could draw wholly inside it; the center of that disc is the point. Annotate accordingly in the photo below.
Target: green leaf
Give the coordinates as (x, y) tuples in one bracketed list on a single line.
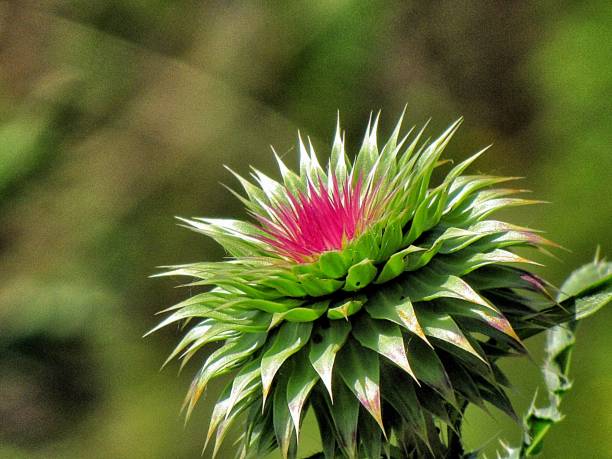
[(370, 438), (434, 442), (390, 303), (470, 259), (482, 209), (586, 278), (419, 220), (491, 318), (290, 178), (239, 283), (434, 404), (463, 383), (345, 416), (571, 309), (383, 337), (587, 289), (396, 264), (324, 346), (347, 307), (360, 275), (590, 304), (245, 382), (429, 369), (197, 306), (427, 285), (333, 264), (359, 369), (309, 164), (283, 427), (317, 286), (259, 438), (219, 413), (464, 187), (290, 338), (455, 239), (301, 381), (307, 313), (237, 396), (273, 190), (386, 164), (230, 335), (368, 153), (285, 286), (233, 235), (326, 423), (338, 160), (266, 305), (400, 392), (444, 328), (223, 415), (495, 395), (497, 276), (417, 260), (222, 361), (366, 246), (391, 240), (205, 332), (490, 234), (229, 420)]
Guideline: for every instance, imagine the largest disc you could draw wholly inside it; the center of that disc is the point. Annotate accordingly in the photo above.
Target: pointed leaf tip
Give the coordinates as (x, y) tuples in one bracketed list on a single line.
[(290, 338), (324, 346), (384, 338), (359, 369), (301, 381)]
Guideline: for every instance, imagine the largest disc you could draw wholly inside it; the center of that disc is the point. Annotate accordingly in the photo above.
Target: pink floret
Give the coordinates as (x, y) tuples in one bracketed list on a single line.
[(317, 221)]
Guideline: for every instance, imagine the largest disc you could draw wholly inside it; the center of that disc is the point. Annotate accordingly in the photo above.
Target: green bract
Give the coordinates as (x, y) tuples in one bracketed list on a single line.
[(387, 337)]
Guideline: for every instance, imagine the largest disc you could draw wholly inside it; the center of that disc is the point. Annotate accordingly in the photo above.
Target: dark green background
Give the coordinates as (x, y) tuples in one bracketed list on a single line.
[(117, 115)]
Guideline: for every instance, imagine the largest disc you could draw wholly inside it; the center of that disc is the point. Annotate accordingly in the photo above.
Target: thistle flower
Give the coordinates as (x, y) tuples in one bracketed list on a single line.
[(365, 290)]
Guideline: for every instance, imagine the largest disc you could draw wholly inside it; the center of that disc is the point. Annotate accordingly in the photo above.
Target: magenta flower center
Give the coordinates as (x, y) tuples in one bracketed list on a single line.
[(317, 221)]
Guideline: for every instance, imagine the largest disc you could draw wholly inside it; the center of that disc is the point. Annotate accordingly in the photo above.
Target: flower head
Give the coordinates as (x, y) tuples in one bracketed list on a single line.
[(367, 291)]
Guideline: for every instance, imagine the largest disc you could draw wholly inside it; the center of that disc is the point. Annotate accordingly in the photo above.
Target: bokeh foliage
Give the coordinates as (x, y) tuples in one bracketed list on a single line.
[(117, 115)]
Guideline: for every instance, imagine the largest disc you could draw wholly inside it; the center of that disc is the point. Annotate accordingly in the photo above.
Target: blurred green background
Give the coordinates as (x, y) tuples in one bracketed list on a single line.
[(116, 115)]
